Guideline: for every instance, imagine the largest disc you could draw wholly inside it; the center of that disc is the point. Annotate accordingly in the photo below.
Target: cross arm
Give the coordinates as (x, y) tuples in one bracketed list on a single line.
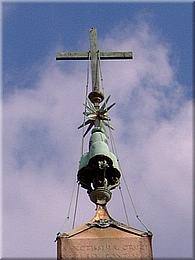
[(116, 55), (85, 55), (72, 56)]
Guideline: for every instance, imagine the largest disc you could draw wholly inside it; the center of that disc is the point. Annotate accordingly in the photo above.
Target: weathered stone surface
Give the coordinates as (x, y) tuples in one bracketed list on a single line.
[(104, 243)]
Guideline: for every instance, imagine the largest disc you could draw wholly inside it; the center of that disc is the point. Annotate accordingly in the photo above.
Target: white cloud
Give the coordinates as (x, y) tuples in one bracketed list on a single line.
[(150, 66), (42, 146)]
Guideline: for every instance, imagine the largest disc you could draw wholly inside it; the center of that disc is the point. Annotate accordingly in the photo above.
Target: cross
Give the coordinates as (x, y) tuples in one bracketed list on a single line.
[(94, 55)]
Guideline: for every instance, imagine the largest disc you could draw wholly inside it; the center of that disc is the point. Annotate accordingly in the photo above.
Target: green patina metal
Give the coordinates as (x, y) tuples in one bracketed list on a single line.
[(98, 147), (98, 168)]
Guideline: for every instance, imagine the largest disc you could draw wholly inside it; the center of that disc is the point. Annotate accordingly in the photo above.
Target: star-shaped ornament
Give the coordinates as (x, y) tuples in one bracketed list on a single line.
[(97, 117)]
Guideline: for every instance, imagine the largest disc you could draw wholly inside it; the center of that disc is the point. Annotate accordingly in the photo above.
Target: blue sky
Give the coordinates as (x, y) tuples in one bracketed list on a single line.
[(42, 102), (32, 30)]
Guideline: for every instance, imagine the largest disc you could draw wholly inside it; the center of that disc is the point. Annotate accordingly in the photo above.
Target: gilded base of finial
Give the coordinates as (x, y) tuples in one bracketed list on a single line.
[(100, 196), (102, 218)]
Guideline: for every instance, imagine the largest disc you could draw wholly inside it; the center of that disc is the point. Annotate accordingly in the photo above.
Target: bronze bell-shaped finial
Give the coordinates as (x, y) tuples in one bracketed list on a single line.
[(98, 170)]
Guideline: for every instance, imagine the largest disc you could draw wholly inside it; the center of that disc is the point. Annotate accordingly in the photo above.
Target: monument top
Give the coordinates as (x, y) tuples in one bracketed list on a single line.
[(103, 220), (92, 241)]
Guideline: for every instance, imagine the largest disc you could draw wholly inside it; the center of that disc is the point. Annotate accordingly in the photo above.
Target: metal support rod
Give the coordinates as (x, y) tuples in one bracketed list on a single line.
[(76, 204)]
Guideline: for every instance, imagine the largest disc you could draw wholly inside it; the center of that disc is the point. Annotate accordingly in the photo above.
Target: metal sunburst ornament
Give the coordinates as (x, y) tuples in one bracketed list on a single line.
[(97, 116)]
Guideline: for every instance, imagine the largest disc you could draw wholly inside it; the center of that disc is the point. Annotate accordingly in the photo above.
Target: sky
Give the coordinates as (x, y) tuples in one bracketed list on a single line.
[(42, 105)]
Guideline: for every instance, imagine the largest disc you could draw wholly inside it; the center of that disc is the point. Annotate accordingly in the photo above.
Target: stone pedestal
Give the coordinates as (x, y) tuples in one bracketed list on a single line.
[(105, 239)]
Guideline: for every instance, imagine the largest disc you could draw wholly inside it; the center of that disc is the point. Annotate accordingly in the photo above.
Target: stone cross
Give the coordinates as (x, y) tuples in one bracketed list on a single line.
[(94, 55)]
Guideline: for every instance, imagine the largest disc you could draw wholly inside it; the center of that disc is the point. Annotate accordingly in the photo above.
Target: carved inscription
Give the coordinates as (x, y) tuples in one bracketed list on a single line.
[(105, 248)]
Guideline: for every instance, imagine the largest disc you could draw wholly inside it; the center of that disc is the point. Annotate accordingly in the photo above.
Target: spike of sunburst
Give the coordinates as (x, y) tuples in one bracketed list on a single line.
[(108, 125), (89, 121), (108, 108), (86, 113), (106, 118), (88, 129), (90, 109), (104, 104)]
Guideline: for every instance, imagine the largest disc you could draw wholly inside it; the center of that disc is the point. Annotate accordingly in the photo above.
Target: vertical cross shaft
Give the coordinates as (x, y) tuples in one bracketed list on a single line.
[(95, 96), (94, 60)]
